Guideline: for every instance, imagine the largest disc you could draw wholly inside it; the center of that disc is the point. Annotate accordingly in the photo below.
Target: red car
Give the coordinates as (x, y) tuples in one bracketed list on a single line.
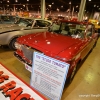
[(68, 41)]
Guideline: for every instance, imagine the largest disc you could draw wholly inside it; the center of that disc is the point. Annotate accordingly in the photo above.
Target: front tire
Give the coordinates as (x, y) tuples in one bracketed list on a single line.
[(12, 44)]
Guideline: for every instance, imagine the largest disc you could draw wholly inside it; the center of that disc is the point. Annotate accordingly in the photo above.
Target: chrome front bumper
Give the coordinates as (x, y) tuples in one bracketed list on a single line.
[(21, 59)]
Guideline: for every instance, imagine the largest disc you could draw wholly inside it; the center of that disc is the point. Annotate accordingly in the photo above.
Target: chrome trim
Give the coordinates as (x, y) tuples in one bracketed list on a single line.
[(21, 59)]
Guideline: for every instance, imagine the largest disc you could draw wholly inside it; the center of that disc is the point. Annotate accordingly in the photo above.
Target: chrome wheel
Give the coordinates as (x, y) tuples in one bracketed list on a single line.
[(12, 44)]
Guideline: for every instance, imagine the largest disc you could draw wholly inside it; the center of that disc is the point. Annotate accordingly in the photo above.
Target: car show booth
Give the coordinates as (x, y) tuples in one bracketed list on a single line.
[(44, 59)]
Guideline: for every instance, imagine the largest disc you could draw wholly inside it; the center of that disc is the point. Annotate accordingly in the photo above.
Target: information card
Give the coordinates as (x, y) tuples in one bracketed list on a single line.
[(48, 75)]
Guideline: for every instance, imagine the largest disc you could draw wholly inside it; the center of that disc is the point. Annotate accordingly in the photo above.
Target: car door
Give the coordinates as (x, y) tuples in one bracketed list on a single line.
[(40, 26), (88, 41), (37, 26)]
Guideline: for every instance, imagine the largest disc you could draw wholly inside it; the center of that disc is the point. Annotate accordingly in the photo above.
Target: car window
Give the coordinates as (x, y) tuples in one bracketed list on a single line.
[(7, 18), (47, 23), (42, 23), (74, 30), (55, 27), (89, 30), (24, 22)]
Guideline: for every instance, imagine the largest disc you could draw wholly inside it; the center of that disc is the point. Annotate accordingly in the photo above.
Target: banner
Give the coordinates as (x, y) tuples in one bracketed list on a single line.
[(48, 75), (13, 88)]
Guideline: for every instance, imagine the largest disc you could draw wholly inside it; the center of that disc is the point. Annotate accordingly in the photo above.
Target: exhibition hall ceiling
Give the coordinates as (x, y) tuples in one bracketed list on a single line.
[(61, 5)]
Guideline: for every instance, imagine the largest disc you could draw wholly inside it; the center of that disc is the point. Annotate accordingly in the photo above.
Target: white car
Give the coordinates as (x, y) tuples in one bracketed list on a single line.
[(9, 33)]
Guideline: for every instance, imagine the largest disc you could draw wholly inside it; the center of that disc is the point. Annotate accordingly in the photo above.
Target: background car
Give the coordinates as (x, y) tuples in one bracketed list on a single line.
[(7, 19), (23, 26), (69, 42), (96, 24)]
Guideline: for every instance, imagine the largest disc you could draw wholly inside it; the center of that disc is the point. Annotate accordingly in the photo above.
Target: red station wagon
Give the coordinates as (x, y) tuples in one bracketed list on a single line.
[(68, 41)]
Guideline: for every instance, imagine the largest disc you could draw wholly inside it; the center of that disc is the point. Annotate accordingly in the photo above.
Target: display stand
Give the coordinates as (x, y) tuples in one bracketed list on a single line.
[(48, 75)]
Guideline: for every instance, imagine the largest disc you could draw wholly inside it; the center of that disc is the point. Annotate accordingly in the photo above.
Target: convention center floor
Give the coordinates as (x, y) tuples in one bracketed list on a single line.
[(85, 85)]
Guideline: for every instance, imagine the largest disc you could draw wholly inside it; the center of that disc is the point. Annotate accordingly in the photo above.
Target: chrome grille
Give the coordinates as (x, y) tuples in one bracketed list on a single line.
[(28, 53)]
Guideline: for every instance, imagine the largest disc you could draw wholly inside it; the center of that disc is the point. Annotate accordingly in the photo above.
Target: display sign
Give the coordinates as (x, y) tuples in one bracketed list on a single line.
[(48, 75), (29, 68), (13, 88)]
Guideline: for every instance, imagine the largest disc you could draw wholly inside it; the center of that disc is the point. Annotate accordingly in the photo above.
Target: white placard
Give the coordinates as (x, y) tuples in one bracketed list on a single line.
[(48, 75), (13, 88)]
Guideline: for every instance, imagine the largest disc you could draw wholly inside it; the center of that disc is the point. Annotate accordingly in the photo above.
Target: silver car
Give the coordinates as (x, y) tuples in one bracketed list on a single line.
[(9, 33)]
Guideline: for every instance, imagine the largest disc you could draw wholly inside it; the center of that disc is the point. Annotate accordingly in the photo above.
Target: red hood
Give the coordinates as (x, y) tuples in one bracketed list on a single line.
[(49, 42)]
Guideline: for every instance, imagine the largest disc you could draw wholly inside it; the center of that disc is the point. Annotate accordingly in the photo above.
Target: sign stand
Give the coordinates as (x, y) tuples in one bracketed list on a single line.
[(48, 75)]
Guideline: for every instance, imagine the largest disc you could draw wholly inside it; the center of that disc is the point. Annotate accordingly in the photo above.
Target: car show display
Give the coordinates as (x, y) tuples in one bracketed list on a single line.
[(49, 49), (9, 33), (68, 41)]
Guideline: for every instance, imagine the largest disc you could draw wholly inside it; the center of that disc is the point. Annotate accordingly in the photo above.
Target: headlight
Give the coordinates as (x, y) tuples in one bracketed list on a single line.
[(17, 46)]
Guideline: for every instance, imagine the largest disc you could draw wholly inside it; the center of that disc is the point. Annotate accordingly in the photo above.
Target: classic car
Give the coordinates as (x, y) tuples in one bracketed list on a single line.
[(7, 19), (68, 41), (96, 24), (9, 33)]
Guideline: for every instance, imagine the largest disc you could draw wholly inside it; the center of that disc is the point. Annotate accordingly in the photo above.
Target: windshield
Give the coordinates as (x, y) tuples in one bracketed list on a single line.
[(69, 28), (7, 18), (24, 22)]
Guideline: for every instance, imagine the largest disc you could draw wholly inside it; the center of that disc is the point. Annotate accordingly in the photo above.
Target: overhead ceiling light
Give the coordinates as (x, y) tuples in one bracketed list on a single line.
[(77, 6), (94, 5), (69, 2), (49, 5), (61, 6), (57, 9), (52, 2), (8, 1), (16, 0)]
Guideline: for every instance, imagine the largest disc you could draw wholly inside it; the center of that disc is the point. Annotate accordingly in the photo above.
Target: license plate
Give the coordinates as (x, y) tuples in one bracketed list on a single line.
[(29, 68)]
